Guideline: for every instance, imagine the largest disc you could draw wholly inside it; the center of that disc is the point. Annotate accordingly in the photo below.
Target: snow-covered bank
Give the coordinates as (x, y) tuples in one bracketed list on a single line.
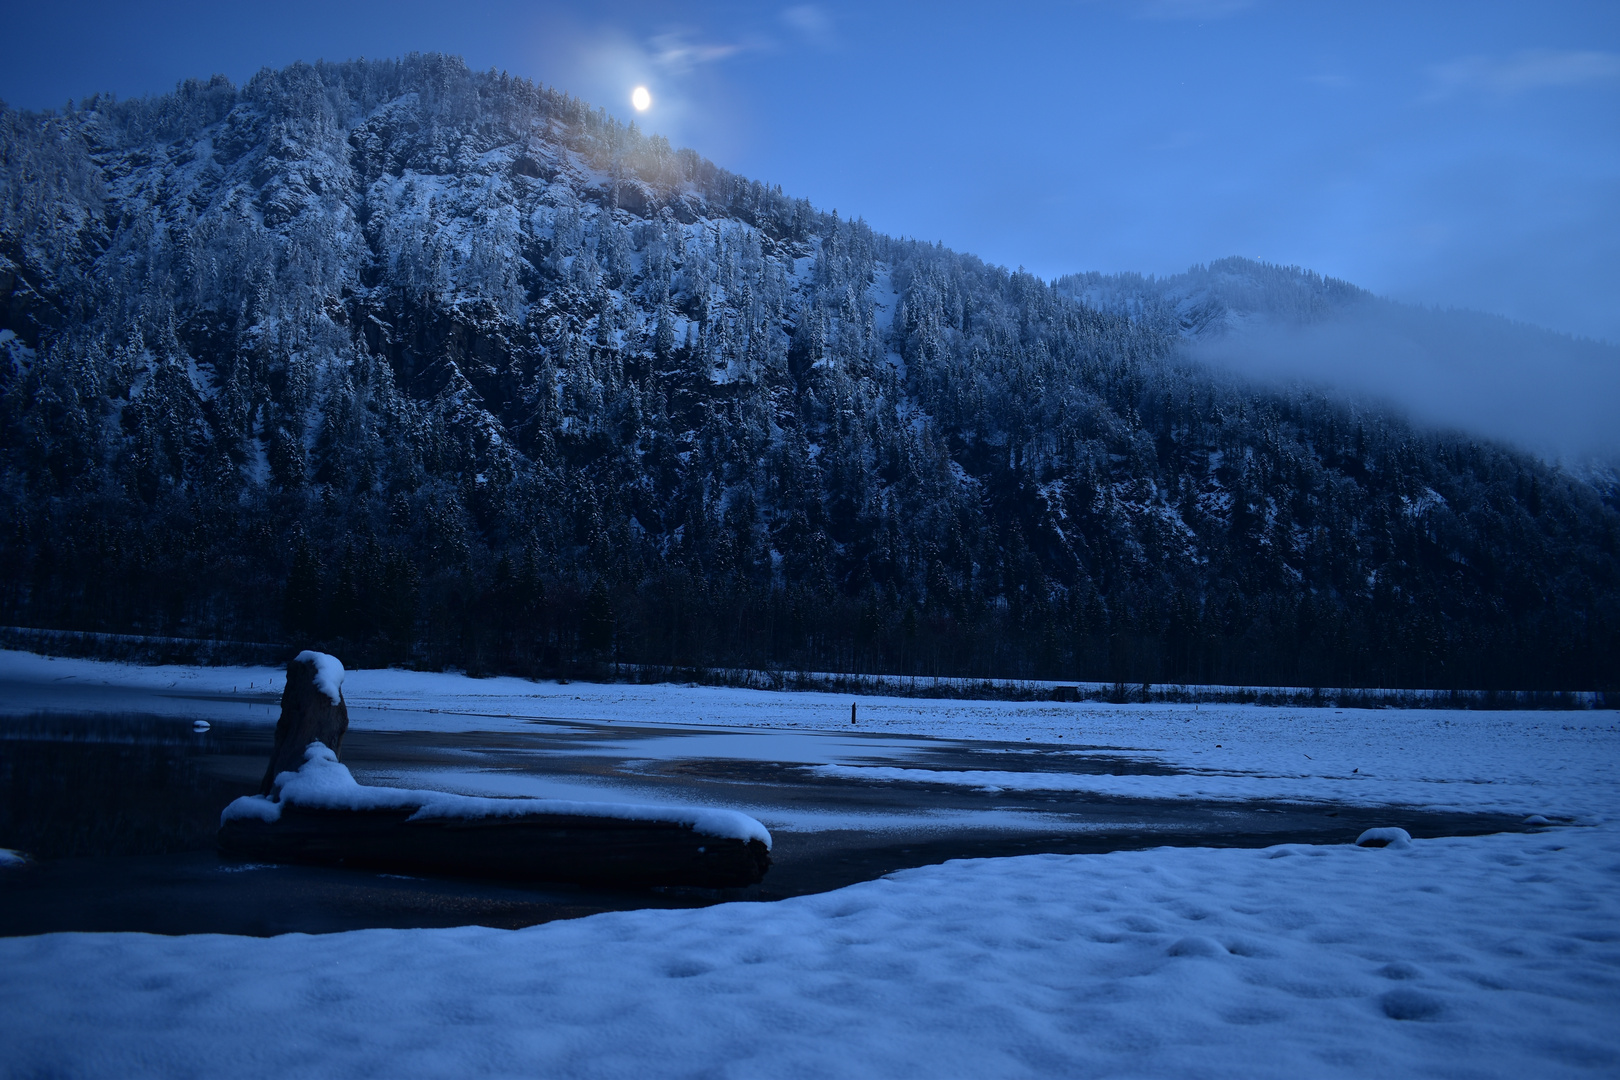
[(1484, 957)]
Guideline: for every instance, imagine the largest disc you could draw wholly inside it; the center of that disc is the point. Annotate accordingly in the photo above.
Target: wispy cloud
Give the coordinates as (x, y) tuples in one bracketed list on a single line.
[(1531, 69), (678, 53), (1197, 10), (810, 22)]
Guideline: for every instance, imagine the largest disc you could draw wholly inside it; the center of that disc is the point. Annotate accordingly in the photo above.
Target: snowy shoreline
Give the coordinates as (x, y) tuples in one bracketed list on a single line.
[(1487, 956), (135, 650)]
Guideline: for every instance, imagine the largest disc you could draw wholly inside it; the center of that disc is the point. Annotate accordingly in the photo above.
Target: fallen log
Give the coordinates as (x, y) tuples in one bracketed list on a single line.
[(319, 814)]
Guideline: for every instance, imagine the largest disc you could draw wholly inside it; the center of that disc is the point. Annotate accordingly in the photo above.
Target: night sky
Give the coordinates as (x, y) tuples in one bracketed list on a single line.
[(1462, 154)]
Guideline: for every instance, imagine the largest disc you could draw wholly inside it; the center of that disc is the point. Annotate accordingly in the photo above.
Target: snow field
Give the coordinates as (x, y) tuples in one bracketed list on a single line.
[(1484, 957)]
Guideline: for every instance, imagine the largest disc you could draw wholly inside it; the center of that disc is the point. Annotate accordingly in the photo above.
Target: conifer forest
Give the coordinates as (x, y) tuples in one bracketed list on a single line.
[(431, 366)]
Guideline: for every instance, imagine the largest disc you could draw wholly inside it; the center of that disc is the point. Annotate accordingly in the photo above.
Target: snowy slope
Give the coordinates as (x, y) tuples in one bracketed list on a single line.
[(1488, 957)]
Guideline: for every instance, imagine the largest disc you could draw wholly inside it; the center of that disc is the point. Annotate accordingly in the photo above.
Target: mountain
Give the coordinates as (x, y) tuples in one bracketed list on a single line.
[(437, 366)]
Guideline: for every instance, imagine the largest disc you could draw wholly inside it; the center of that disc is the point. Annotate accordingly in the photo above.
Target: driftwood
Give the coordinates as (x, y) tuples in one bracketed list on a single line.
[(537, 847), (307, 715)]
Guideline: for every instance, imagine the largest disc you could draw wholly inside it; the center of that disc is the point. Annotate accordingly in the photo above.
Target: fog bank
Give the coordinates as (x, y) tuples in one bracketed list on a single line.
[(1549, 393)]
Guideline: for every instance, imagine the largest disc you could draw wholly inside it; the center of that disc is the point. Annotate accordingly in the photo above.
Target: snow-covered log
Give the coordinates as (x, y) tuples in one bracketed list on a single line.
[(319, 814)]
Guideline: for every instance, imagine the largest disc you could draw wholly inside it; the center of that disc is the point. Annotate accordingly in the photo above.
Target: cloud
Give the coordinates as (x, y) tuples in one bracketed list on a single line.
[(810, 22), (676, 53), (1531, 69), (1549, 393), (1176, 10)]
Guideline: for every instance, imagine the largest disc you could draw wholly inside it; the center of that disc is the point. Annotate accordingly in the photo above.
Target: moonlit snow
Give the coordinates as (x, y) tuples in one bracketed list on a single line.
[(1487, 957), (1490, 956), (323, 783), (1388, 836), (328, 673)]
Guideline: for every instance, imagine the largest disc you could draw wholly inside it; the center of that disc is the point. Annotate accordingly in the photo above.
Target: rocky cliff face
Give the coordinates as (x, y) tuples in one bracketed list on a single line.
[(445, 365)]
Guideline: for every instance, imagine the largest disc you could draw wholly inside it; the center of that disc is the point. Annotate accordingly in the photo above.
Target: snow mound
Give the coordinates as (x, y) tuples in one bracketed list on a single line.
[(1387, 837), (1409, 1004), (9, 857), (1198, 946), (1284, 851), (324, 783), (328, 673)]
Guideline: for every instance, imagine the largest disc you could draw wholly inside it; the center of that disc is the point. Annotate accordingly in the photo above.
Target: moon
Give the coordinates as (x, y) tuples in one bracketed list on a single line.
[(641, 99)]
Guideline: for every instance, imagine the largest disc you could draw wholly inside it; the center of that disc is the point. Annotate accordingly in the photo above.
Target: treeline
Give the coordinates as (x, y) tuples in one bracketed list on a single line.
[(431, 366)]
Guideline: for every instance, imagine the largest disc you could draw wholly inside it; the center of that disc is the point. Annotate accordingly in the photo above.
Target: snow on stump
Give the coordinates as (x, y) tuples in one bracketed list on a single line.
[(312, 711), (1388, 837), (319, 814)]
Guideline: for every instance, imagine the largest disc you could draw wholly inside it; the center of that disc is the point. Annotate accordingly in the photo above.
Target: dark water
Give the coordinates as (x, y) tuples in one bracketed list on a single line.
[(74, 786), (119, 812)]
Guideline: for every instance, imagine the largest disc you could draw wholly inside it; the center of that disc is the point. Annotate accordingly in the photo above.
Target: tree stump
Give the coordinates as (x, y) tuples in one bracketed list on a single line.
[(312, 710)]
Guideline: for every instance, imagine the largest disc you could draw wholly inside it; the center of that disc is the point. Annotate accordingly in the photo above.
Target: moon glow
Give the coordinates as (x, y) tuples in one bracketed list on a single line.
[(640, 98)]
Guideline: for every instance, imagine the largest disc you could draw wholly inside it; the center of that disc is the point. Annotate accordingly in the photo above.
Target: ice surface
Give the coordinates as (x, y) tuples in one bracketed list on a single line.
[(323, 782), (1556, 764), (328, 673), (1516, 762)]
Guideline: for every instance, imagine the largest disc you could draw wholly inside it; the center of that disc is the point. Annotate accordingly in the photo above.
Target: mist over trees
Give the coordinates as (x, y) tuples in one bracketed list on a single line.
[(1546, 392), (434, 366)]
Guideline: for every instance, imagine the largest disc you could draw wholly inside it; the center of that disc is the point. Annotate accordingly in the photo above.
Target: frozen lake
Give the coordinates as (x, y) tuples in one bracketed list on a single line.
[(1179, 897), (117, 797)]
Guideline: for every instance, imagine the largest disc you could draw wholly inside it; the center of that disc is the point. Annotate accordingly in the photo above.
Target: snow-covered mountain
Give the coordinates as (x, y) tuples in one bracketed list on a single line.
[(1218, 299), (423, 362)]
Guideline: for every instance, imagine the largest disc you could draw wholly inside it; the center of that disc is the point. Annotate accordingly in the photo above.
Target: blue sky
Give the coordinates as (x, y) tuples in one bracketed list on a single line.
[(1461, 154)]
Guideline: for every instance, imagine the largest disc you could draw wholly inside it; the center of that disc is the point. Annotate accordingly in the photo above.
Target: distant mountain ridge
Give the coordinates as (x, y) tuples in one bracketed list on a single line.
[(1215, 298), (426, 364), (1482, 374)]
